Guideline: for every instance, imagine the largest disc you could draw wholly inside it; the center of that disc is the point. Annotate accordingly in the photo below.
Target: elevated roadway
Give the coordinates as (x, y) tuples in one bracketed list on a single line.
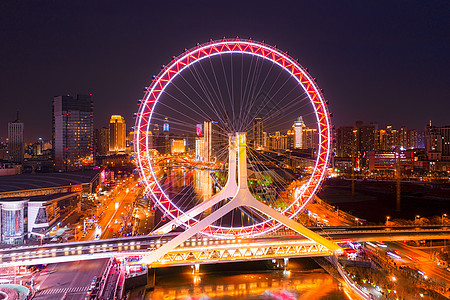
[(203, 249)]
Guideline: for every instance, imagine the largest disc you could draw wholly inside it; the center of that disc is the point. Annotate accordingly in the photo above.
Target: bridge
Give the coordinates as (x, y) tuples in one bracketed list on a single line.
[(203, 250)]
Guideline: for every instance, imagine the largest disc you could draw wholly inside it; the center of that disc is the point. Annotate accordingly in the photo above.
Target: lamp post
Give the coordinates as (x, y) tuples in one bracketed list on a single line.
[(387, 220), (444, 215), (417, 217), (76, 231)]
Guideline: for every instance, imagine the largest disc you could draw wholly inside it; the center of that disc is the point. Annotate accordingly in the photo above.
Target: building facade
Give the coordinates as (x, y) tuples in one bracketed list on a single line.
[(72, 132), (117, 134), (258, 133), (15, 141)]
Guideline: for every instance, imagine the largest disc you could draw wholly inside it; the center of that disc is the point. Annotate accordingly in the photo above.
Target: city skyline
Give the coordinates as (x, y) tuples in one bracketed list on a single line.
[(379, 71)]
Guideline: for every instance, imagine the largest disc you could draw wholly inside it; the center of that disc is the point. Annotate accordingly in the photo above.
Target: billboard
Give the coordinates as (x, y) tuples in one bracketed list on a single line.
[(199, 129)]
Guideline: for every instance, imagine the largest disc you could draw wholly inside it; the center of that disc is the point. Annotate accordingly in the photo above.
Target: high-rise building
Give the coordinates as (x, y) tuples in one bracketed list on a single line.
[(199, 148), (212, 139), (258, 130), (345, 141), (414, 139), (310, 138), (367, 137), (15, 141), (101, 141), (403, 137), (166, 126), (72, 132), (298, 126), (437, 142), (117, 134)]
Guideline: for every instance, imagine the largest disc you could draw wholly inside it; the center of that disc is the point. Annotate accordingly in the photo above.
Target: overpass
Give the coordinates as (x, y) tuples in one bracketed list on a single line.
[(198, 250)]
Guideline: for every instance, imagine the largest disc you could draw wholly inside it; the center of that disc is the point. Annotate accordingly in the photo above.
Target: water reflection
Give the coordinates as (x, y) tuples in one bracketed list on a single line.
[(297, 283)]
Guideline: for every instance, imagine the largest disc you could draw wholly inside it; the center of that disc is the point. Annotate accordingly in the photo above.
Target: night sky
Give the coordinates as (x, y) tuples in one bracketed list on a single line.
[(381, 61)]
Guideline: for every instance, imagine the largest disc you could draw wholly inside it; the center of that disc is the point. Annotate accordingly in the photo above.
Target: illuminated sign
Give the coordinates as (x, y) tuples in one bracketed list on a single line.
[(199, 128), (76, 188), (166, 127)]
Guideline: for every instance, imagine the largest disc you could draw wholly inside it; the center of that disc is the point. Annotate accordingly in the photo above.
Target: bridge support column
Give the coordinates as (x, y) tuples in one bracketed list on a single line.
[(195, 268)]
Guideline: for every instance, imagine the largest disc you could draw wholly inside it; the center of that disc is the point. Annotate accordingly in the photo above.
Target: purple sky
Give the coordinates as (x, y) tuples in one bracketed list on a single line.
[(380, 61)]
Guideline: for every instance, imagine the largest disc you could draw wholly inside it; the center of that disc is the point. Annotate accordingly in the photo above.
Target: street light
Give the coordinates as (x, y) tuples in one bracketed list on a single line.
[(417, 217), (76, 231), (387, 220), (444, 215)]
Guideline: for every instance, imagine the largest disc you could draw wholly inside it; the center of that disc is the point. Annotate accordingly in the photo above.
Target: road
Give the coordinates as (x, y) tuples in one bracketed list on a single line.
[(114, 212), (72, 279), (420, 260)]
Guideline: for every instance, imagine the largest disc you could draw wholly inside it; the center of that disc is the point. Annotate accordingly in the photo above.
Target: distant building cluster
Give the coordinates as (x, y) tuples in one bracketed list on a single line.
[(298, 137), (209, 140), (75, 144), (365, 147)]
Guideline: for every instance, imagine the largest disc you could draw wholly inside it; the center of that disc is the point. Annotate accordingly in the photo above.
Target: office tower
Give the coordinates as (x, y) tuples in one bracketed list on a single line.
[(72, 132), (298, 126), (258, 138), (117, 134), (15, 140)]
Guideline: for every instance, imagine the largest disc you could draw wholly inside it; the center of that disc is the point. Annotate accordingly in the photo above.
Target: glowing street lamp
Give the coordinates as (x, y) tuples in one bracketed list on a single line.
[(444, 215), (76, 231), (387, 220), (417, 217)]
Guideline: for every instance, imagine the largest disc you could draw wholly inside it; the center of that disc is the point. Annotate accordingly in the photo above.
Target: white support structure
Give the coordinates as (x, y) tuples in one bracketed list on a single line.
[(228, 191), (241, 197)]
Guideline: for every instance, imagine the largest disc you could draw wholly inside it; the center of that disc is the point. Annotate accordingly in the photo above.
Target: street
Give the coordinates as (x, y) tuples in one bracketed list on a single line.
[(72, 279)]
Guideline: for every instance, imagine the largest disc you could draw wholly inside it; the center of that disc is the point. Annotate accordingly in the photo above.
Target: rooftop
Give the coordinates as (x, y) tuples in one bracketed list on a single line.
[(41, 198), (45, 180)]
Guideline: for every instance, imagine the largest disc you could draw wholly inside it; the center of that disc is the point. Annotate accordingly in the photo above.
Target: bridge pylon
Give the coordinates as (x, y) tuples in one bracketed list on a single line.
[(240, 196)]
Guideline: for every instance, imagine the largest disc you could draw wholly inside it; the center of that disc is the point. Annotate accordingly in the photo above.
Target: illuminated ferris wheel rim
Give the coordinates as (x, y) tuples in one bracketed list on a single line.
[(207, 50)]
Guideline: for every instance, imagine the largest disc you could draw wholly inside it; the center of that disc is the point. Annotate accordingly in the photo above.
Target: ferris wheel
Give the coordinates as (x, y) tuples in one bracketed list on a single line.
[(226, 116)]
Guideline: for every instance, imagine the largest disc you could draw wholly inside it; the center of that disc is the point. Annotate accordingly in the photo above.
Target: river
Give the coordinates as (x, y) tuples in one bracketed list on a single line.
[(303, 279)]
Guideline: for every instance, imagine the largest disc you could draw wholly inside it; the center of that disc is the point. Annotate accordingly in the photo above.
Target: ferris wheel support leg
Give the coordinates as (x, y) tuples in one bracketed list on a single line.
[(195, 211), (183, 236), (229, 190), (250, 201)]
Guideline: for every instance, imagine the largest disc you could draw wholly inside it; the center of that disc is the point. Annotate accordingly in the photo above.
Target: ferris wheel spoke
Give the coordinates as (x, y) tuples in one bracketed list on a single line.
[(247, 97), (247, 92), (199, 109), (218, 92), (254, 98), (208, 104), (217, 114)]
